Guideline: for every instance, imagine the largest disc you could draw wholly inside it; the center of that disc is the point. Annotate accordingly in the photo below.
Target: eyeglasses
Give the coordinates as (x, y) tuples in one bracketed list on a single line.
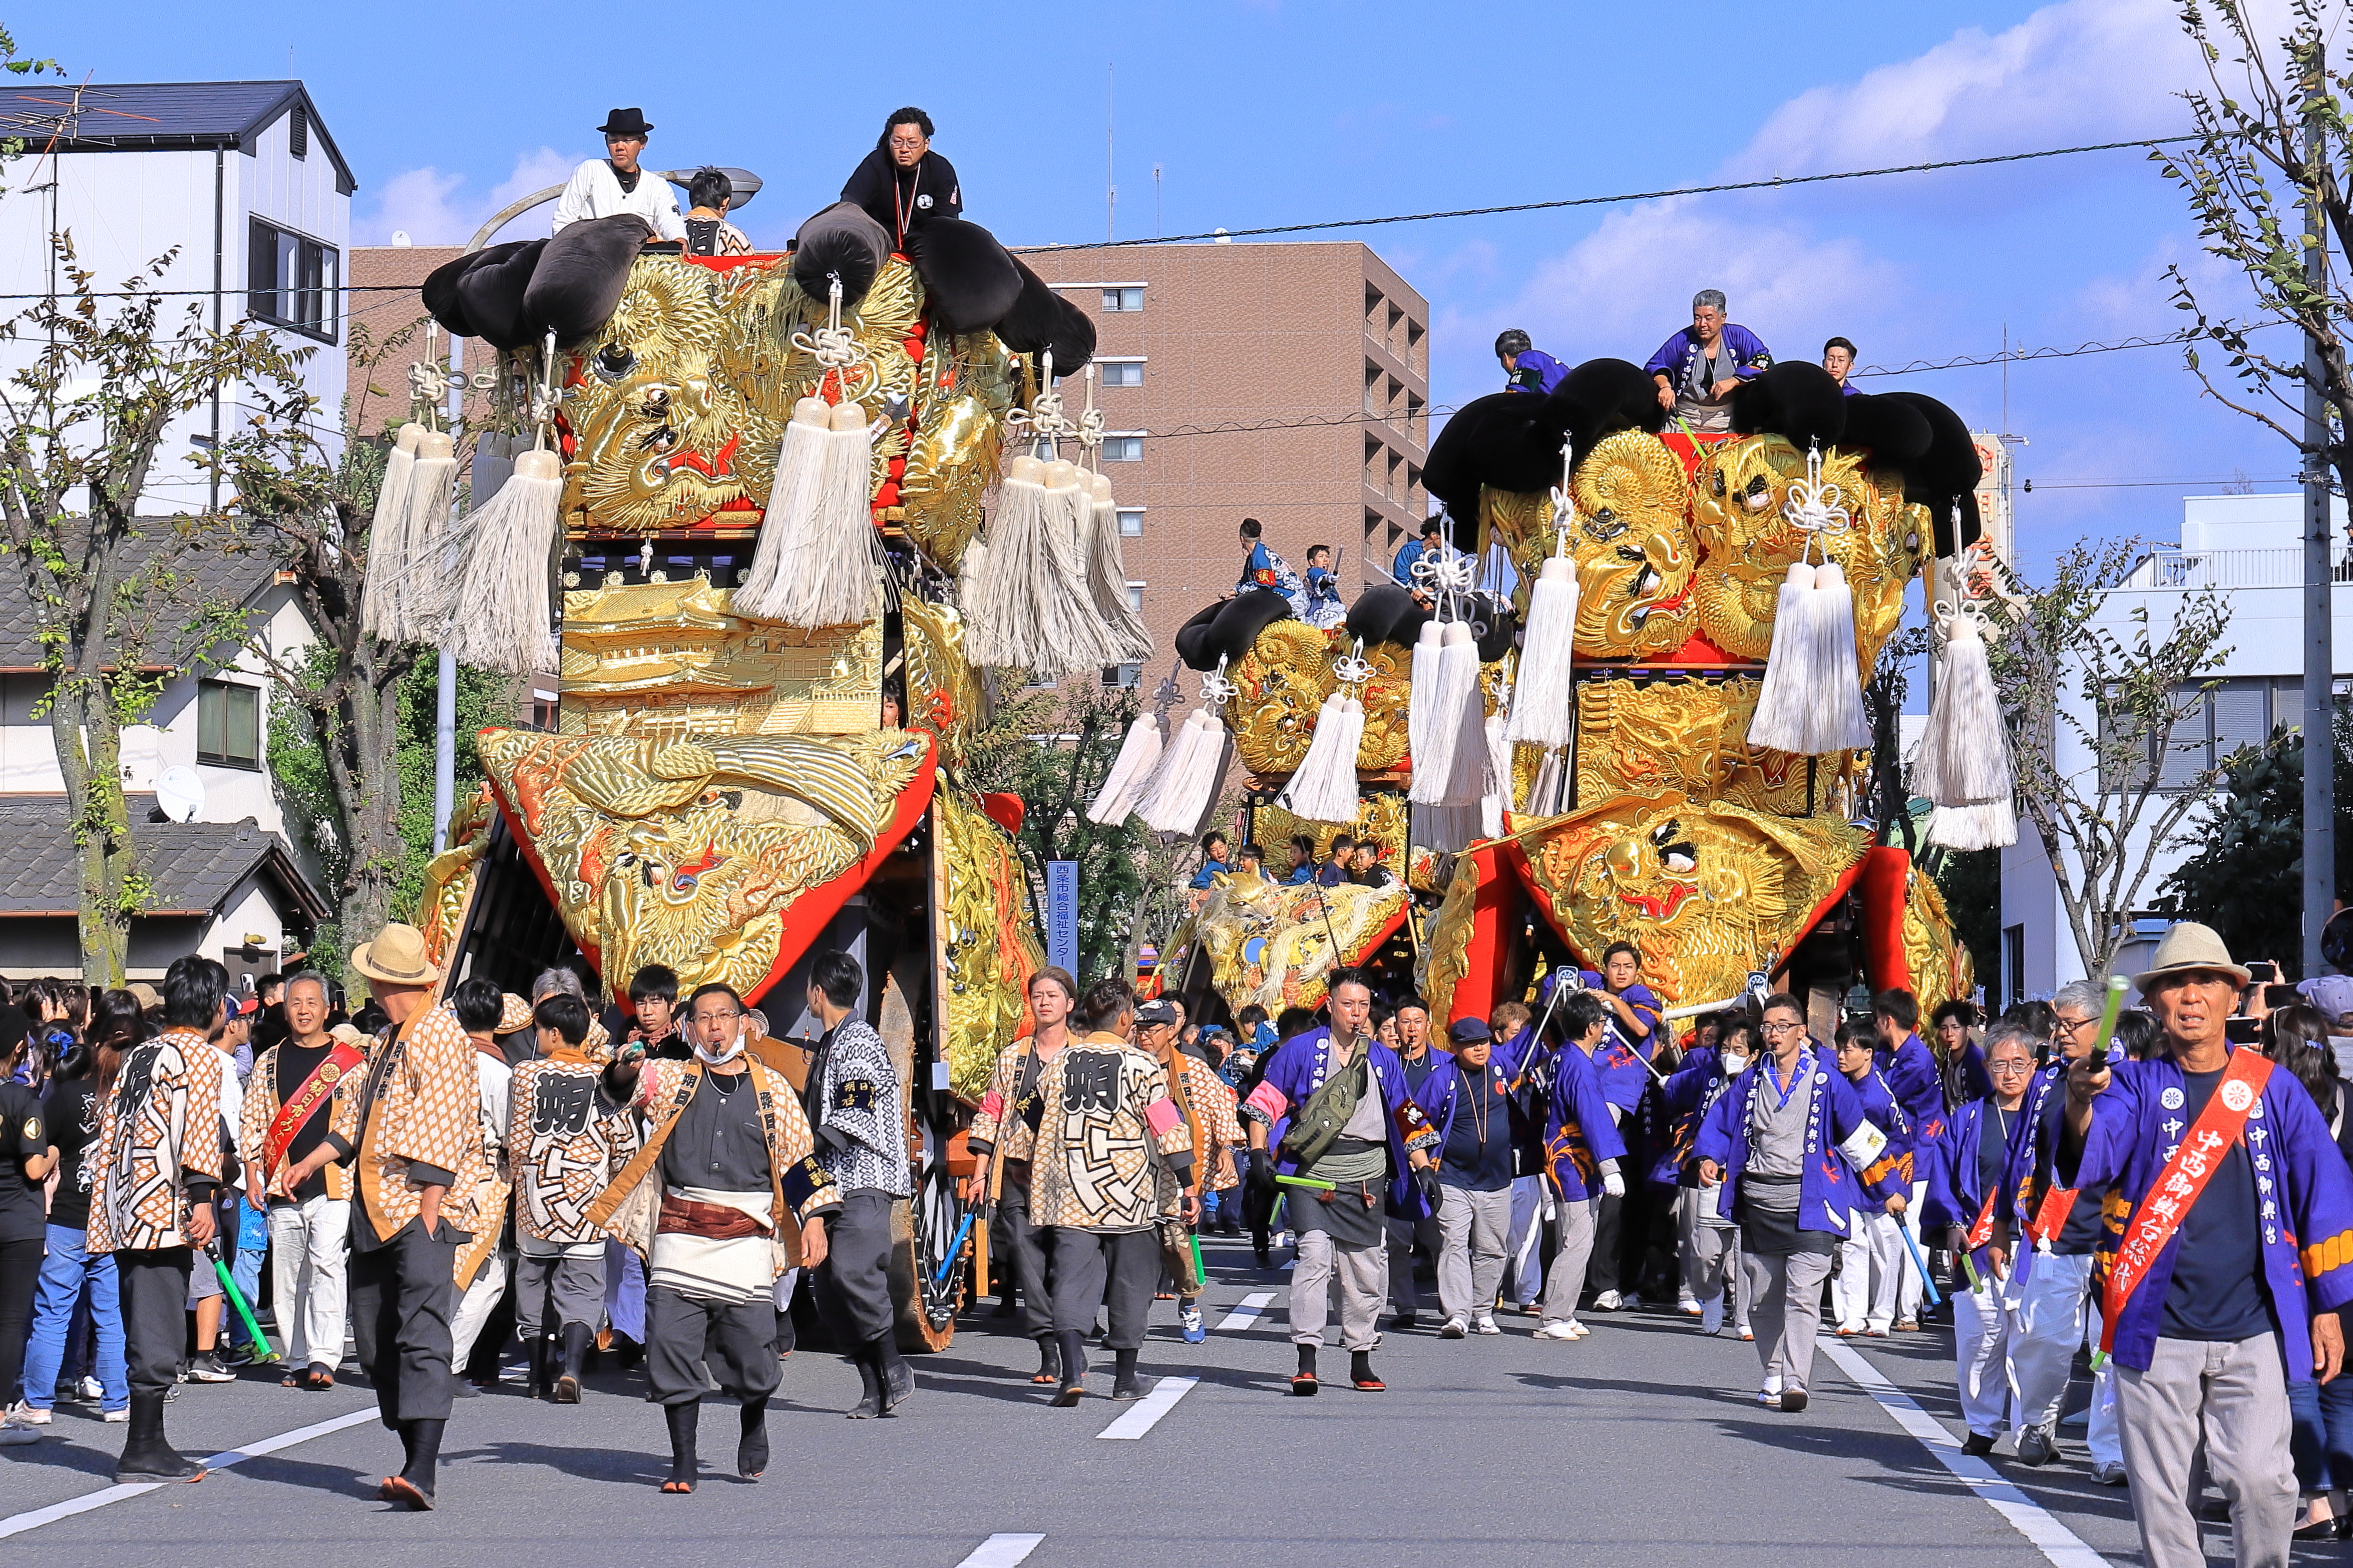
[(906, 141), (1785, 1028), (716, 1018), (2004, 1068), (2077, 1026)]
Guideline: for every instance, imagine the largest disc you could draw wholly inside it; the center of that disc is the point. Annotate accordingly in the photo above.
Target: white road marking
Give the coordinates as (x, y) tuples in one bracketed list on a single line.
[(1001, 1551), (16, 1524), (2060, 1544), (1145, 1412), (1252, 1306)]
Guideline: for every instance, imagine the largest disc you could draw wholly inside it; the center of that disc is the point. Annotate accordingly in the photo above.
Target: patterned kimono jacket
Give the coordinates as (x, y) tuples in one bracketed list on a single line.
[(412, 1118), (857, 1112), (1299, 1070), (159, 1147), (567, 1142), (260, 1110), (995, 1131), (2303, 1196), (1111, 1151), (1213, 1105), (1264, 569)]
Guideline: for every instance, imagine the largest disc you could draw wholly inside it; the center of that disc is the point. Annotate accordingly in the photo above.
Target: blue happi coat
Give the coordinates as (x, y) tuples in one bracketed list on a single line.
[(1898, 1163), (2027, 1154), (1826, 1184), (1263, 568), (1579, 1132), (1673, 360), (1299, 1070), (1947, 1162), (1438, 1096), (1619, 1061), (1911, 1073), (2304, 1194), (1684, 1099)]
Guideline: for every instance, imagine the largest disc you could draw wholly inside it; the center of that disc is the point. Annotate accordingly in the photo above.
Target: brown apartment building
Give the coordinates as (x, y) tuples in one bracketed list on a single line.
[(1320, 352)]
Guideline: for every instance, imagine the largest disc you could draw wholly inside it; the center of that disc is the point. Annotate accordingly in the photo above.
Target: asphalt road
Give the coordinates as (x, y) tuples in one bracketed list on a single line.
[(1640, 1445)]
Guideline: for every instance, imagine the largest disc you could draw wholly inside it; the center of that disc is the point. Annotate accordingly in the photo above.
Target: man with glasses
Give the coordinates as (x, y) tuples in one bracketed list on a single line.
[(1697, 369), (2055, 1305), (1966, 1188), (1769, 1140), (725, 1194), (902, 183)]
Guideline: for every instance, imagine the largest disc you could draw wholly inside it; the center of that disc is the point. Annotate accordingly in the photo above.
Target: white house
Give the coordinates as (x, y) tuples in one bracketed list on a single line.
[(238, 182), (2250, 549)]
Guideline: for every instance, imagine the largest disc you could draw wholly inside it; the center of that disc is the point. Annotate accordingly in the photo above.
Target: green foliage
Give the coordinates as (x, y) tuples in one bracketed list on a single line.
[(2246, 880), (1972, 885)]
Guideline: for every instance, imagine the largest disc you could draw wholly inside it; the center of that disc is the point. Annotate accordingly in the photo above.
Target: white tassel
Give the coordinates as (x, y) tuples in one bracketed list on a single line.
[(967, 586), (1070, 518), (1191, 770), (1131, 771), (1455, 687), (1838, 722), (1780, 723), (1325, 787), (1498, 795), (1543, 698), (1448, 829), (1987, 825), (503, 622), (789, 528), (432, 487), (1549, 788), (1422, 691), (1962, 761), (843, 573), (1107, 578), (1028, 609), (388, 544)]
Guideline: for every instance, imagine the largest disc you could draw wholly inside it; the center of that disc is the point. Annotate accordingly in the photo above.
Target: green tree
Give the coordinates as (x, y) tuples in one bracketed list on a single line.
[(2246, 880), (1970, 883)]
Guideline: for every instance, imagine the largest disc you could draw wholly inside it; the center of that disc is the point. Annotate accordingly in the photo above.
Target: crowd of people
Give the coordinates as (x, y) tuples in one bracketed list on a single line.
[(434, 1173)]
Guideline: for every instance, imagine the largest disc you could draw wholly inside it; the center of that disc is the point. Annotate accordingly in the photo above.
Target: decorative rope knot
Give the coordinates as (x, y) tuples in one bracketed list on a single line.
[(1217, 690), (1815, 509), (833, 345), (1352, 669), (1043, 420)]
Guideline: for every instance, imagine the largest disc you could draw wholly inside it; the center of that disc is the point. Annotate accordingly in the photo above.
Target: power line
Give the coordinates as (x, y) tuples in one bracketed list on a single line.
[(1776, 182)]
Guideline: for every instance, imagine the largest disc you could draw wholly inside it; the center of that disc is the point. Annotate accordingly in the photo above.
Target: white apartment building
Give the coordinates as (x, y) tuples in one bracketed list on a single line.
[(2250, 549)]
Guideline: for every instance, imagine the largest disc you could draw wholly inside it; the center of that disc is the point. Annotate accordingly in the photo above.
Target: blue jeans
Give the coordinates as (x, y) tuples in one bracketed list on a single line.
[(245, 1268), (2320, 1435), (64, 1272)]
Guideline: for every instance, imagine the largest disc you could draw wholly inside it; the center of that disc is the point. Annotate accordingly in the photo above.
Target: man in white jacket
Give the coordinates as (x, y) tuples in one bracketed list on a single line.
[(616, 184)]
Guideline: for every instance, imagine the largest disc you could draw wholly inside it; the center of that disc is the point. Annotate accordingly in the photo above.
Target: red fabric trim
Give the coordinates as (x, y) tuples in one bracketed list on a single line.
[(1493, 905), (728, 263), (1007, 810), (1880, 882), (808, 915)]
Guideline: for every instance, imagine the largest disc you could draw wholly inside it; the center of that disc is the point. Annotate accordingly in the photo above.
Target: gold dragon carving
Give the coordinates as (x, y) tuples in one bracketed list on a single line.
[(991, 943), (1281, 683), (1277, 945)]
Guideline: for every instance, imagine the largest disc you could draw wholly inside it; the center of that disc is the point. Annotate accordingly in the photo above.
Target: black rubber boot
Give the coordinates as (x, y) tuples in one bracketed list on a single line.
[(683, 1419), (424, 1440), (787, 1337), (1302, 1382), (752, 1448), (146, 1456), (898, 1379), (534, 1352), (1073, 1346), (1123, 1384), (1360, 1372), (575, 1348), (870, 1385), (1049, 1360)]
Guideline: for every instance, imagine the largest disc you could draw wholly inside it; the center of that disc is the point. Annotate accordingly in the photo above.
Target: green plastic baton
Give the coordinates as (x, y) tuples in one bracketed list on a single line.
[(262, 1351)]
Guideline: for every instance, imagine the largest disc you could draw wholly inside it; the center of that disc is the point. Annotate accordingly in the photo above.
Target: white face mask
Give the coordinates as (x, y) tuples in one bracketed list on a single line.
[(733, 1048), (1734, 1066)]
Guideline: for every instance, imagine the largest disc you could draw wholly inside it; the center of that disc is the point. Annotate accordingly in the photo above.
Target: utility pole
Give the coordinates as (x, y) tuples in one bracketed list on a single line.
[(2319, 652), (1110, 161)]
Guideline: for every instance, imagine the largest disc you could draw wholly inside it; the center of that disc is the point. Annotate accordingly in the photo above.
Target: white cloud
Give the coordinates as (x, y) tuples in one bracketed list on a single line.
[(435, 208)]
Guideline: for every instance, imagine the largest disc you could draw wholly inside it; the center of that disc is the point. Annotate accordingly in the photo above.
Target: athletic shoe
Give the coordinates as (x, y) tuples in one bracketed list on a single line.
[(1629, 1302), (1557, 1331), (2109, 1475), (1977, 1443), (1607, 1301), (92, 1391), (205, 1366), (117, 1417), (1485, 1326), (26, 1416), (2035, 1446), (1690, 1305), (1196, 1331), (1453, 1329)]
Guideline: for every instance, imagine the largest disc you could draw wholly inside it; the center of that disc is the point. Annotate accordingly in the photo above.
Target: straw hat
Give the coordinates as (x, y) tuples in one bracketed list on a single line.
[(148, 995), (397, 957), (350, 1035), (514, 1013), (2188, 946)]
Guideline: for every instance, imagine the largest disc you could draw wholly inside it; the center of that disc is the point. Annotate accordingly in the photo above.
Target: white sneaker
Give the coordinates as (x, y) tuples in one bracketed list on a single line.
[(1689, 1306), (92, 1390), (1453, 1329), (1607, 1301), (117, 1417), (1558, 1331), (1487, 1326), (26, 1416)]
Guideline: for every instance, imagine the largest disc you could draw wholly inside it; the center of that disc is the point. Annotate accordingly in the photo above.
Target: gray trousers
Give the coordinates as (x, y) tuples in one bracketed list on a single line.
[(1092, 1268), (1565, 1280), (2236, 1393), (1028, 1251), (1785, 1308), (1405, 1235), (1363, 1273), (556, 1290), (853, 1283), (736, 1340), (1472, 1230), (1705, 1251)]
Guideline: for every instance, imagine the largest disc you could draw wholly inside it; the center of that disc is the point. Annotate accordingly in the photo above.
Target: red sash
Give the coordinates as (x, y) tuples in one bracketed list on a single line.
[(297, 1108), (2168, 1199), (1983, 1231), (2050, 1215)]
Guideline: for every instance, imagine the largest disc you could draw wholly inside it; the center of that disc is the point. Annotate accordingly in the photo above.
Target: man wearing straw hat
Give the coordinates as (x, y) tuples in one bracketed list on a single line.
[(2236, 1252), (411, 1127)]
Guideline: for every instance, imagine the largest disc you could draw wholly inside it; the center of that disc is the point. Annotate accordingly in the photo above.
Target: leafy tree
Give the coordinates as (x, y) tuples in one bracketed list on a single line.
[(1970, 883), (2246, 880), (2094, 713)]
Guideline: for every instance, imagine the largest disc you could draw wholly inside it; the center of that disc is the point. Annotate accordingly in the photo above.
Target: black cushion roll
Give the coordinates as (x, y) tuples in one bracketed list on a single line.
[(1229, 628), (490, 294), (581, 275), (970, 281), (843, 240)]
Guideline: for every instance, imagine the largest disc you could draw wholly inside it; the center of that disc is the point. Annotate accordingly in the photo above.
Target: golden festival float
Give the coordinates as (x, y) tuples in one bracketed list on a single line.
[(1655, 734), (748, 492)]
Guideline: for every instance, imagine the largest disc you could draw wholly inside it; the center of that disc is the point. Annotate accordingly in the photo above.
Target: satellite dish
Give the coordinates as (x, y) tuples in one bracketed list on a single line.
[(179, 793)]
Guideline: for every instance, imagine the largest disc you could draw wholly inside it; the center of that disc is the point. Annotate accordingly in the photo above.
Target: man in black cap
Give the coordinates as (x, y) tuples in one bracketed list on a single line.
[(615, 183)]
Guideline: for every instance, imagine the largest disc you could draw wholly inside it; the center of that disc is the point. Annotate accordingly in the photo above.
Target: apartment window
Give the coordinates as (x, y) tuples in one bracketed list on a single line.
[(2213, 724), (293, 281), (229, 724), (1135, 596), (1123, 674), (1131, 522), (1123, 450), (1122, 372), (2014, 962), (1123, 298)]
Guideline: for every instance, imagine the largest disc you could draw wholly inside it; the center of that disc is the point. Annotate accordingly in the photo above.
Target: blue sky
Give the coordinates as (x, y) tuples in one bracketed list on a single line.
[(1287, 112)]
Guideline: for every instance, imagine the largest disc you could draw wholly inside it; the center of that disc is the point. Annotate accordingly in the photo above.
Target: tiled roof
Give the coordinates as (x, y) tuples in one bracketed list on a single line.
[(139, 117), (193, 867), (237, 576)]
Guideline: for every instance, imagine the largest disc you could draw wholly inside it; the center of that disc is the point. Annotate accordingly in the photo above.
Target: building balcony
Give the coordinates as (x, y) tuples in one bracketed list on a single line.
[(2283, 567)]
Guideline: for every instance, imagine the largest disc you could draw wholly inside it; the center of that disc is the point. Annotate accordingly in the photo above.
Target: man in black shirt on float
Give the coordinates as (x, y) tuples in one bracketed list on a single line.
[(902, 183)]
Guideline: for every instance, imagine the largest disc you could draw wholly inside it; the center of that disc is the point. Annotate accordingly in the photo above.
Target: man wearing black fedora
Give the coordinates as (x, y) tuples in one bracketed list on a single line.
[(615, 183)]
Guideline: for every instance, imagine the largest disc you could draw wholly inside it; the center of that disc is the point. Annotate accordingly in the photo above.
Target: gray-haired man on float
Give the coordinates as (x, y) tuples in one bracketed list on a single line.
[(1698, 368)]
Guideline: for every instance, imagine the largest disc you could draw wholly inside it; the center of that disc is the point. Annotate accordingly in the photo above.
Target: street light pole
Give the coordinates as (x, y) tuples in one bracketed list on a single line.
[(2319, 652)]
